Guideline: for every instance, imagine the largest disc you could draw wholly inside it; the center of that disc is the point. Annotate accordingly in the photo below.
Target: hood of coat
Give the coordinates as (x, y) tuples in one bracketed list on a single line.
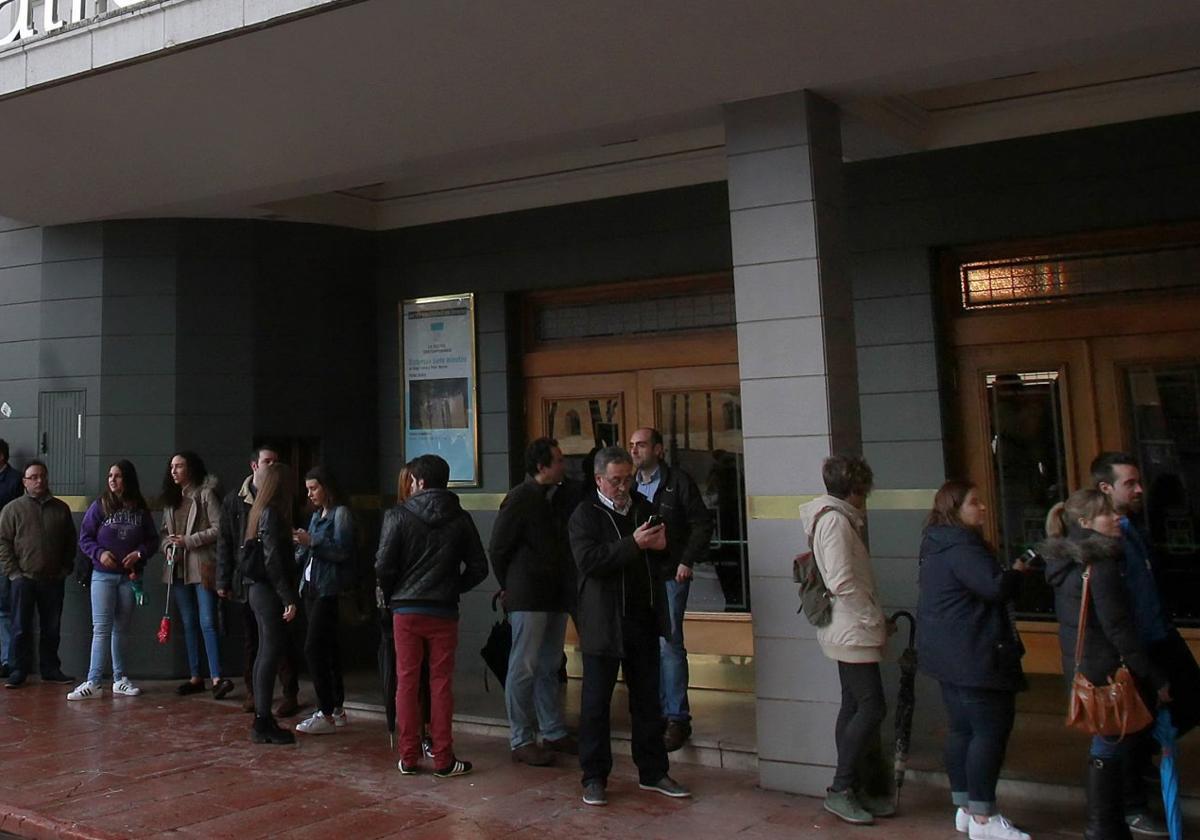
[(809, 511), (939, 538), (209, 484), (435, 507), (1063, 554)]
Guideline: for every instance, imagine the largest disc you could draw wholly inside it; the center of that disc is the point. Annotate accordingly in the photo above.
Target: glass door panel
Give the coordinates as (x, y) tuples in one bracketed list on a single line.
[(702, 434), (583, 413)]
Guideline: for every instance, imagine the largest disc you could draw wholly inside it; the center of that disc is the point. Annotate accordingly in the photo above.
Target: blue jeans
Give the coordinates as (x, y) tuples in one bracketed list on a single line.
[(673, 681), (531, 691), (112, 609), (980, 722), (198, 609), (6, 626)]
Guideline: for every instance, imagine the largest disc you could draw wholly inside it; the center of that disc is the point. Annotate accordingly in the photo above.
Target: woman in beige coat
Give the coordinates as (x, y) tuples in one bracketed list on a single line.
[(191, 516)]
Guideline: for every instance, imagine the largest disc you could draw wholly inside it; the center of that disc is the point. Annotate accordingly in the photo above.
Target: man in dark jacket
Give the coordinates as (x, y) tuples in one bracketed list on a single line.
[(429, 554), (37, 551), (676, 498), (235, 507), (532, 561), (621, 615)]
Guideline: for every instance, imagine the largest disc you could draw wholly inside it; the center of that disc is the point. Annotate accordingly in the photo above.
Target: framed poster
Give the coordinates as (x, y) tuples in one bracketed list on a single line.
[(440, 396)]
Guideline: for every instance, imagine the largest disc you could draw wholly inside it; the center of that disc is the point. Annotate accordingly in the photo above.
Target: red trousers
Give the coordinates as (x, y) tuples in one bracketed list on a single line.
[(414, 634)]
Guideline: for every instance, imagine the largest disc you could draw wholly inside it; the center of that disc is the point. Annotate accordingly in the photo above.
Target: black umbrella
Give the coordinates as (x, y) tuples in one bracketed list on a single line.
[(906, 700), (387, 669)]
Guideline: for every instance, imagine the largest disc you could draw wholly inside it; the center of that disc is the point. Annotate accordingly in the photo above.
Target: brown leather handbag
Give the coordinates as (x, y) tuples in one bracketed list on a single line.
[(1113, 709)]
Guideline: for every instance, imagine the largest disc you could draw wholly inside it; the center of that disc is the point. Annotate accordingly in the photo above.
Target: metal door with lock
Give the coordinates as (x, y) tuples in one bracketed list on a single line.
[(61, 439)]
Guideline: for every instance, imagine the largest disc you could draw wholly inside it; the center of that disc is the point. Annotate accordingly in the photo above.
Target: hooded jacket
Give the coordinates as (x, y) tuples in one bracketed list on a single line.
[(964, 635), (1111, 636), (429, 552), (197, 562)]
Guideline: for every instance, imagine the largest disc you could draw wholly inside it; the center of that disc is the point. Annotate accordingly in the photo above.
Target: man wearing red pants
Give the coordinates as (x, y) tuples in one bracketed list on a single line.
[(429, 554)]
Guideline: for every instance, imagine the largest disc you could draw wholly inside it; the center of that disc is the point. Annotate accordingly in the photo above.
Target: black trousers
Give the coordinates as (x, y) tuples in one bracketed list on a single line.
[(289, 674), (272, 634), (640, 666), (46, 596), (322, 651), (863, 709)]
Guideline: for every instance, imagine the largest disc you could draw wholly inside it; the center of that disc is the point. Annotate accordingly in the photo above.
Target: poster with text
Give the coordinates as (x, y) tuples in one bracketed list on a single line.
[(441, 414)]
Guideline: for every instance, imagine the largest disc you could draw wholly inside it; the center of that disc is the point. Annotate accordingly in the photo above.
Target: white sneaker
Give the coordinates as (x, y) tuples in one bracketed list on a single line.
[(85, 691), (961, 820), (339, 717), (996, 828), (125, 688), (318, 724)]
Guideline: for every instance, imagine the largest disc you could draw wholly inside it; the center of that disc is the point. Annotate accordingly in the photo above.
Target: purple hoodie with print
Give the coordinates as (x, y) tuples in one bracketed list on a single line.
[(122, 532)]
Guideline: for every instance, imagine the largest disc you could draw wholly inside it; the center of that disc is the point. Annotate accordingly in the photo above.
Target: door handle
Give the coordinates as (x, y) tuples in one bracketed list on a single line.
[(43, 447)]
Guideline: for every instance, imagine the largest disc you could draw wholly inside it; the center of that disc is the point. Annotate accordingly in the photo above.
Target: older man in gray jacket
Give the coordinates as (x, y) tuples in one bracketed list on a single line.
[(37, 552)]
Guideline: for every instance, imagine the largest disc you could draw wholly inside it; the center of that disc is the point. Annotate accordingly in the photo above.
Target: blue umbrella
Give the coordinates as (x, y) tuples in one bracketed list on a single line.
[(1165, 733)]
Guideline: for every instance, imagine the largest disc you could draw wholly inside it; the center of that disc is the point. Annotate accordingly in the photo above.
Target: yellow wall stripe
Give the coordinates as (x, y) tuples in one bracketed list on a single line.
[(77, 504), (788, 507)]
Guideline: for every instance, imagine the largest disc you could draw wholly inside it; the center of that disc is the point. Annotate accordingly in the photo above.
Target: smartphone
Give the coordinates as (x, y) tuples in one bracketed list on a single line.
[(654, 520)]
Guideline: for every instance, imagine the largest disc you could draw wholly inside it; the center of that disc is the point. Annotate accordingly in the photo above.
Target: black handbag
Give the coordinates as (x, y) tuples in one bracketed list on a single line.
[(498, 646), (252, 560)]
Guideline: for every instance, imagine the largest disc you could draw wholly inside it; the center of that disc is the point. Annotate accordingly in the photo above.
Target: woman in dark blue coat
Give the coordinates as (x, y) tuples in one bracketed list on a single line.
[(966, 640)]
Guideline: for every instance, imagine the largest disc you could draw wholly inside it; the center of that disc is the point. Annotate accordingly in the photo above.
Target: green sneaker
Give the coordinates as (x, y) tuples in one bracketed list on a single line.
[(844, 805), (878, 806)]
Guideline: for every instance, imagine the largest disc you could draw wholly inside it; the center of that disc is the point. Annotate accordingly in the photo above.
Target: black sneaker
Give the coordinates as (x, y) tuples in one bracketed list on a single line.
[(189, 687), (594, 793), (58, 677), (406, 769), (668, 787), (427, 746), (16, 679), (455, 768)]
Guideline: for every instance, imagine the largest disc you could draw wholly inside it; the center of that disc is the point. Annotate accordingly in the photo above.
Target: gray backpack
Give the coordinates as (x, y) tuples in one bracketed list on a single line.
[(816, 601)]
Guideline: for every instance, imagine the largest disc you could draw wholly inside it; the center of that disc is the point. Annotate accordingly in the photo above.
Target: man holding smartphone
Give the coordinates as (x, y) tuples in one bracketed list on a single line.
[(676, 499)]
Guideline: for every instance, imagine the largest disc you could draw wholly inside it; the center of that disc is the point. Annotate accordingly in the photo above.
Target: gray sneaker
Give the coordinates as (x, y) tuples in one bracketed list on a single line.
[(1147, 825), (844, 805), (593, 793), (668, 787)]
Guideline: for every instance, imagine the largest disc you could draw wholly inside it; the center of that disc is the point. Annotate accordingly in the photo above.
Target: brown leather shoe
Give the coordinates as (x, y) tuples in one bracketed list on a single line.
[(566, 745), (533, 755), (287, 707), (248, 703), (678, 731)]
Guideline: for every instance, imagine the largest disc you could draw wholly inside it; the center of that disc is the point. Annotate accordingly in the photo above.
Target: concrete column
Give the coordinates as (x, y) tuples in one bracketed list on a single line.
[(796, 351)]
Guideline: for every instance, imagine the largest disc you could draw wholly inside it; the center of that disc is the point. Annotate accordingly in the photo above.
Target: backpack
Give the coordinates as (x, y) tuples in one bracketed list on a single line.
[(816, 601)]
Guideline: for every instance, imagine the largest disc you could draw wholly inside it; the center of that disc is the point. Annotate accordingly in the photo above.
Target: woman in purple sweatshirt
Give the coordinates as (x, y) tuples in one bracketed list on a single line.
[(118, 534)]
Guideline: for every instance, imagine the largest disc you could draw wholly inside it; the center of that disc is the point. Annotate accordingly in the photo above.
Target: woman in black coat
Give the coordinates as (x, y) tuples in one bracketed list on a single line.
[(967, 642), (1085, 533)]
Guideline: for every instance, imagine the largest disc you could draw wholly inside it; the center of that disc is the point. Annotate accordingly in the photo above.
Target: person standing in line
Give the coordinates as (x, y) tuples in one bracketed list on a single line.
[(834, 524), (621, 615), (1116, 475), (37, 552), (118, 535), (10, 488), (968, 643), (532, 562), (266, 565), (1085, 537), (234, 510), (190, 518), (429, 554), (325, 553), (676, 498)]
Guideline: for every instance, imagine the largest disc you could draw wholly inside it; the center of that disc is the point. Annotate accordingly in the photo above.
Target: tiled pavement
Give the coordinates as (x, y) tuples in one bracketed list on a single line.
[(164, 766)]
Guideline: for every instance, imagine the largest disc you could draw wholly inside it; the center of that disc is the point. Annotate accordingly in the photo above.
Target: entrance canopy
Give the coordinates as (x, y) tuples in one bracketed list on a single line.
[(380, 114)]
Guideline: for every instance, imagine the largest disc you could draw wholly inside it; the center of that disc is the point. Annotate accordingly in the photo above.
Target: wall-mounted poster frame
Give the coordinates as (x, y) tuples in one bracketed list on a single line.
[(440, 383)]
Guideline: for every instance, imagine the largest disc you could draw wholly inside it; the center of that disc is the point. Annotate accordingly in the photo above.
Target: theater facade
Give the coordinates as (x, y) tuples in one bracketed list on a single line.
[(964, 241)]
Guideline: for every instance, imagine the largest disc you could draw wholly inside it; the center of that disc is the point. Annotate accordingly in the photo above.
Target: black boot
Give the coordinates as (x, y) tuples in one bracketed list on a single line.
[(267, 731), (1105, 812)]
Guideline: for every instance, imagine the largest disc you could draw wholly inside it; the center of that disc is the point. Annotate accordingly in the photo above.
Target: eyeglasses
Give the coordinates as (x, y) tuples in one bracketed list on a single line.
[(620, 481)]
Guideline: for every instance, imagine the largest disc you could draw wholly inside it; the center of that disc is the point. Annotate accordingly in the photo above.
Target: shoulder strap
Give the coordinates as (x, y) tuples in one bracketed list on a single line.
[(1083, 616)]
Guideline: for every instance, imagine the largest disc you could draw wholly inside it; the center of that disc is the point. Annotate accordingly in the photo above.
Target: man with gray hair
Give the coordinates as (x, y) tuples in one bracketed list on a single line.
[(622, 613)]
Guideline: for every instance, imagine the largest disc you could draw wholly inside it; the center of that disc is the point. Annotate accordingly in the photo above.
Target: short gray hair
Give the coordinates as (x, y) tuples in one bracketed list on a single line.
[(610, 455)]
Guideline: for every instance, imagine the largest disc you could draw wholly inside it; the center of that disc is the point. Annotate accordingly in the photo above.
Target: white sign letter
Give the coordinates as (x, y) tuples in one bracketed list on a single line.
[(22, 23)]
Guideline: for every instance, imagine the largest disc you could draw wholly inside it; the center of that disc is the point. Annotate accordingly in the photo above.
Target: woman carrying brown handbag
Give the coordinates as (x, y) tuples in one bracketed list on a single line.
[(1085, 536)]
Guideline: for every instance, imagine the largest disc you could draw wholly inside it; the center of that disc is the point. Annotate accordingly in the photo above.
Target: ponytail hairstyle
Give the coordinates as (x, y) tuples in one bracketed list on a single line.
[(948, 502), (275, 491), (1082, 504)]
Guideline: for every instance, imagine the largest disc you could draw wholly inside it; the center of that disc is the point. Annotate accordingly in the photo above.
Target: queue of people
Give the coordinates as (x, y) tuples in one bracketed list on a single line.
[(616, 556)]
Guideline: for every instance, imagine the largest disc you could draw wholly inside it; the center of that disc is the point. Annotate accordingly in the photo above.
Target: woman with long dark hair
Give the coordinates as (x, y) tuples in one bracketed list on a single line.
[(118, 535), (966, 641), (267, 566), (191, 518), (326, 556), (1085, 537)]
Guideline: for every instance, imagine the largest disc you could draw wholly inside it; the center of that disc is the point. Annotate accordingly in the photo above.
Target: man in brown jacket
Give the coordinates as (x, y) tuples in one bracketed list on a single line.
[(37, 552)]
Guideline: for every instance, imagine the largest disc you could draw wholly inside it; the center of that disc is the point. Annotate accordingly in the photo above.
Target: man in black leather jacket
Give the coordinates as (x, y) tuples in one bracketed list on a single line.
[(429, 554)]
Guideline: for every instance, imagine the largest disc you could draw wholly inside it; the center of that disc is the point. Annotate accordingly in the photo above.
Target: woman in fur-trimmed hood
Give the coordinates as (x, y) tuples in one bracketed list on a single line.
[(1085, 535)]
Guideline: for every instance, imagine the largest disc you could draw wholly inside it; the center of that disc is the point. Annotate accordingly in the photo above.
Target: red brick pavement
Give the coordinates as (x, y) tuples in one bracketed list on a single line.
[(165, 766)]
